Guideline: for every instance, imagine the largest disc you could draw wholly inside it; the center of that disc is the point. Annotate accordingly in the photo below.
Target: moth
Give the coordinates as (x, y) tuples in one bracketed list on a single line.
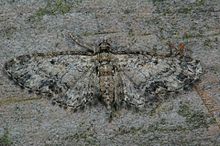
[(74, 79)]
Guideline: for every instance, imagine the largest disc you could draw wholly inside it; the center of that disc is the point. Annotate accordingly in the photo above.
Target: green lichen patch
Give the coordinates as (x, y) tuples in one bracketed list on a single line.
[(52, 8), (195, 119), (5, 140)]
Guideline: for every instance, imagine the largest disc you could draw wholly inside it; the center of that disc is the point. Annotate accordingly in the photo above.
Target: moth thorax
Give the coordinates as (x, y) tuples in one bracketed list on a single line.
[(104, 57), (106, 70)]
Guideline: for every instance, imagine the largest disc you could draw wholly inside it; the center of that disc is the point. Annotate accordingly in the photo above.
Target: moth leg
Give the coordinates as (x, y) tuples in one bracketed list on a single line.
[(82, 44)]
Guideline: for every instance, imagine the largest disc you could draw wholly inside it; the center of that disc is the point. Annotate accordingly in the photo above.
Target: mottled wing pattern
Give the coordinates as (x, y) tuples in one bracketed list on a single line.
[(148, 79), (119, 90), (65, 78), (84, 91)]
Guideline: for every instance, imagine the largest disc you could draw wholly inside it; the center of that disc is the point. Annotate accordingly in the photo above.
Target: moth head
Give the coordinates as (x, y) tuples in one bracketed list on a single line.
[(104, 46)]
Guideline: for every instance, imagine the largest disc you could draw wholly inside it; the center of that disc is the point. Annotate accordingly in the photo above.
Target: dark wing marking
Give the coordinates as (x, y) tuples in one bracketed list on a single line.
[(56, 75), (132, 96), (147, 79), (119, 90), (84, 91)]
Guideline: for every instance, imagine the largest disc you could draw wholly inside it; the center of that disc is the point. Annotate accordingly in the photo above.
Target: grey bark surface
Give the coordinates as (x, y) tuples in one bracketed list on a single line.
[(28, 26)]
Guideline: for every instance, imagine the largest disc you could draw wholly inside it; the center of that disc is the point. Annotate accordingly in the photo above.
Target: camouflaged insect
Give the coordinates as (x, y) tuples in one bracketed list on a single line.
[(75, 79)]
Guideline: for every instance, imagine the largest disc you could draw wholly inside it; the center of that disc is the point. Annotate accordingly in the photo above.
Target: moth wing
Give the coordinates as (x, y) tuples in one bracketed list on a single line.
[(149, 79), (83, 92), (53, 75), (119, 90)]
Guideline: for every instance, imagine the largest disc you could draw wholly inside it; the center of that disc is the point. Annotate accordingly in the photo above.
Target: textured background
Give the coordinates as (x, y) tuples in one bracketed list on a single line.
[(27, 26)]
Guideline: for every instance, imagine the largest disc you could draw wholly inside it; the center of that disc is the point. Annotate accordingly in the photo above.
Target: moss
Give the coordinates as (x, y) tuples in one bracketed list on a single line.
[(194, 119), (52, 8), (5, 140)]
